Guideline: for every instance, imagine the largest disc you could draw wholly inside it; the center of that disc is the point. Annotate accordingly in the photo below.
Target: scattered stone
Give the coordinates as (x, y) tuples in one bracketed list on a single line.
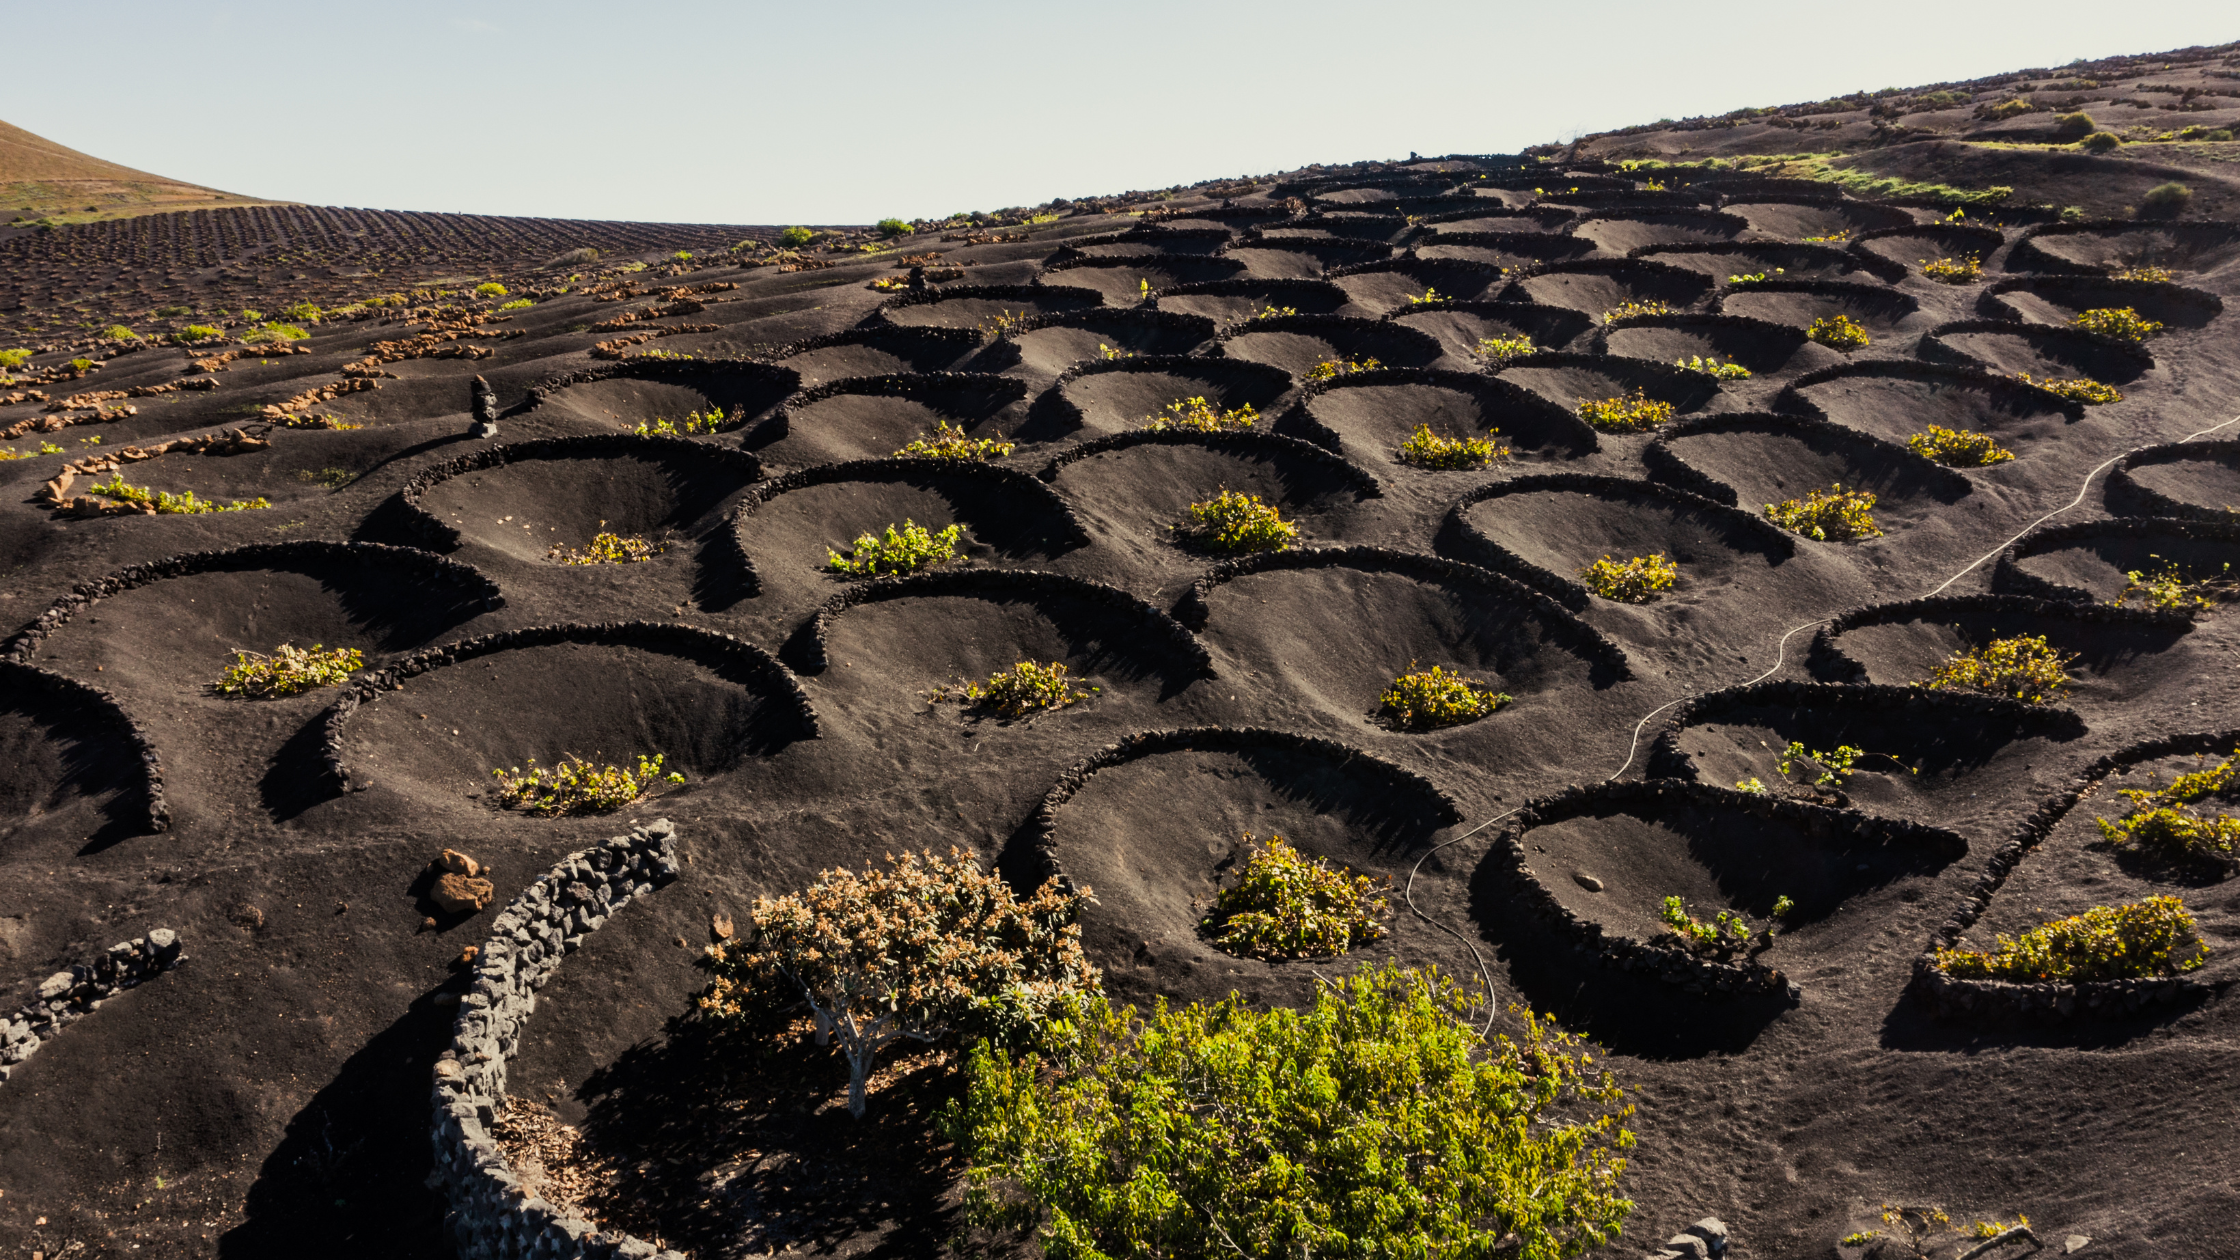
[(459, 894), (428, 924), (2074, 1243), (248, 917), (1588, 882), (459, 863), (720, 927), (467, 955)]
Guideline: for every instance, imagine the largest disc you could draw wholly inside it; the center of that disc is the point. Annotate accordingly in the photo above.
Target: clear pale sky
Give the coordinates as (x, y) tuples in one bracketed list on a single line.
[(749, 112)]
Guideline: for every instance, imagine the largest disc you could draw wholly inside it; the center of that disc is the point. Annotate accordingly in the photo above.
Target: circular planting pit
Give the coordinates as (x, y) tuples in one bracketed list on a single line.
[(981, 305), (634, 392), (1143, 483), (1288, 615), (1227, 301), (1462, 325), (1920, 752), (2091, 561), (875, 417), (1796, 220), (2121, 654), (1801, 302), (1491, 216), (1054, 345), (1122, 280), (608, 694), (2044, 351), (1625, 232), (880, 351), (1593, 287), (1298, 343), (1503, 249), (1542, 530), (1720, 260), (1751, 460), (526, 498), (1395, 285), (2059, 299), (1596, 864), (2192, 480), (1567, 380), (1764, 348), (1155, 826), (75, 775), (1908, 247), (1302, 257), (1894, 399), (1369, 415), (1104, 397), (786, 530), (2112, 246)]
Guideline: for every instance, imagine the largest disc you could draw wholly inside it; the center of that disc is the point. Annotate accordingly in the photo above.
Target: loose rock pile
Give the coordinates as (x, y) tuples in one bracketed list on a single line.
[(68, 996)]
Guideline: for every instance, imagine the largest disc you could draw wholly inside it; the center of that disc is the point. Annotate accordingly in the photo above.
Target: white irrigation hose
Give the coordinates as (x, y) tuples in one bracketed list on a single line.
[(1780, 655)]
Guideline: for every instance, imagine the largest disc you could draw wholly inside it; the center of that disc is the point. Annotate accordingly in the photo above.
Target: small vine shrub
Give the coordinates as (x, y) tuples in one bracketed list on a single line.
[(289, 671), (164, 503), (1022, 690), (1838, 237), (2145, 938), (1419, 1132), (950, 442), (1722, 936), (1426, 449), (2150, 275), (1271, 312), (1502, 349), (1332, 369), (693, 424), (1287, 906), (1958, 448), (2075, 125), (923, 950), (1831, 769), (1634, 580), (1744, 280), (610, 548), (1433, 699), (1200, 416), (2020, 667), (1625, 311), (905, 550), (1713, 368), (2172, 585), (2165, 201), (1831, 515), (2089, 392), (2163, 821), (576, 786), (795, 237), (1966, 270), (1839, 332), (2117, 323), (1003, 324), (518, 304), (2100, 142), (1237, 524), (490, 289), (1627, 413)]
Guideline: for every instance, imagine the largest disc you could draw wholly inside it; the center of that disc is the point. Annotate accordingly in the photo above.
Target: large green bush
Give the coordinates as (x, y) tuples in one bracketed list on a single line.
[(1375, 1123)]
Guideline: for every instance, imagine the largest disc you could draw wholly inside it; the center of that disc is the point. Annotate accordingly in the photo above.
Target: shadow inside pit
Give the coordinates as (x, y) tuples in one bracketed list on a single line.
[(297, 779), (55, 750), (349, 1178), (719, 581), (731, 1140)]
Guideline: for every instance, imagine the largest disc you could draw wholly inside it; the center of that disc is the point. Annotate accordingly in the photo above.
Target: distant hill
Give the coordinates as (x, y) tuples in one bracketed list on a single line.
[(40, 179)]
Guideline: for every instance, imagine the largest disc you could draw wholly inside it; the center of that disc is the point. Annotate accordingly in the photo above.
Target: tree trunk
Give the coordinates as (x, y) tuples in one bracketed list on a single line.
[(859, 1068)]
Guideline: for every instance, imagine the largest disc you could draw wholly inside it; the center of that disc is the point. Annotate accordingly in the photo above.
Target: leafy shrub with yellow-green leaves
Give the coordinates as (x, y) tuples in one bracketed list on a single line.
[(1919, 1230), (1025, 688), (288, 671), (1627, 413), (1967, 270), (1634, 580), (1958, 448), (1503, 349), (2163, 821), (950, 442), (1199, 416), (1626, 311), (1286, 905), (2173, 585), (45, 448), (2116, 323), (1232, 523), (900, 550), (693, 424), (1839, 332), (610, 548), (1375, 1122), (1271, 312), (490, 289), (1722, 936), (576, 786), (1426, 449), (1831, 515), (1713, 368), (2144, 938), (2079, 389), (2151, 275), (2020, 667), (1832, 768), (1332, 369), (1433, 699), (164, 503), (12, 359)]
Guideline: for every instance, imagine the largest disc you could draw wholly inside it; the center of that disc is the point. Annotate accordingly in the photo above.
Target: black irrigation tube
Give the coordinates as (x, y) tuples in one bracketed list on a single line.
[(432, 567), (1933, 347), (2130, 498), (1193, 609), (1668, 467), (1492, 390), (437, 533), (1276, 446), (1668, 761), (21, 679), (892, 470), (1948, 997), (1791, 398), (1825, 657), (1042, 829), (808, 646), (1677, 967), (645, 635), (1566, 591), (923, 386), (2009, 575)]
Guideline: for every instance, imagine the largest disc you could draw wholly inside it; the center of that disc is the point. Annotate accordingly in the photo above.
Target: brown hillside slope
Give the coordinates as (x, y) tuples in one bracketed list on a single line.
[(42, 179)]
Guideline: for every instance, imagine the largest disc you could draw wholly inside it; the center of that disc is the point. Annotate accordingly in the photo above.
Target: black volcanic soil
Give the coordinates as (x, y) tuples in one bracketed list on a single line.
[(270, 1097)]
